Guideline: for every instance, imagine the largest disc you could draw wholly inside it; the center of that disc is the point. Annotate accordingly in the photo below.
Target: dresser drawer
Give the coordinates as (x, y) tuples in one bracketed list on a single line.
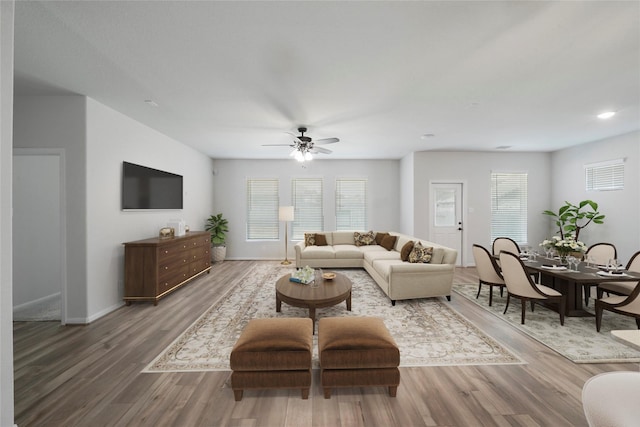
[(170, 280)]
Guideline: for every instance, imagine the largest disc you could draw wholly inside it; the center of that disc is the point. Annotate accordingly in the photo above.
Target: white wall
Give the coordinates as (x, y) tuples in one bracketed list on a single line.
[(111, 139), (230, 196), (36, 221), (621, 226), (475, 168), (96, 140), (407, 188), (6, 157)]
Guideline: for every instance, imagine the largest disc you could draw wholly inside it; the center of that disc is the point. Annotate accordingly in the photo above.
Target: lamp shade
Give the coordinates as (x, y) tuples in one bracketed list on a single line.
[(285, 213)]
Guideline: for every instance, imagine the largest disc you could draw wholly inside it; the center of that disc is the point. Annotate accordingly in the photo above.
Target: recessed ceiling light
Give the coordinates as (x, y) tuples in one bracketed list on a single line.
[(606, 115), (150, 102), (503, 147), (427, 136)]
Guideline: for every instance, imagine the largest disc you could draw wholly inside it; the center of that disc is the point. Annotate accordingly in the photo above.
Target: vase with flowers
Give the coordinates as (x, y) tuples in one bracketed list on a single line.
[(564, 247)]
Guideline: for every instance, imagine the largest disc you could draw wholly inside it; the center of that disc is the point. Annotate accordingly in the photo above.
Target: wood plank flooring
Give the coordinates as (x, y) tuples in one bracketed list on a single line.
[(90, 376)]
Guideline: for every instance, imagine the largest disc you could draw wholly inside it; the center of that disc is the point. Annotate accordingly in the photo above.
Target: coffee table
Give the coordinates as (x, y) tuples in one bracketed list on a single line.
[(327, 294)]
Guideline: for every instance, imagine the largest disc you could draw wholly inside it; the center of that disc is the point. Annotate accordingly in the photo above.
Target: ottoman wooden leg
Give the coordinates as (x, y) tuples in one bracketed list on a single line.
[(237, 394), (305, 393), (327, 393), (393, 389)]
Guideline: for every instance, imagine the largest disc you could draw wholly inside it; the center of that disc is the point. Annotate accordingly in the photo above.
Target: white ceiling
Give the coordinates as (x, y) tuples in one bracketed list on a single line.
[(231, 76)]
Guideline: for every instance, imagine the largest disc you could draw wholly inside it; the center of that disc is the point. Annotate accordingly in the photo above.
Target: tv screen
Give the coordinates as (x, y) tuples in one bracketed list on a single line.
[(147, 188)]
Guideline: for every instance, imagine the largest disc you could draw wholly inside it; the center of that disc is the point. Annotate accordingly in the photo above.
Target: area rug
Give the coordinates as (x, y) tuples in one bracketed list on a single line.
[(427, 332), (577, 340)]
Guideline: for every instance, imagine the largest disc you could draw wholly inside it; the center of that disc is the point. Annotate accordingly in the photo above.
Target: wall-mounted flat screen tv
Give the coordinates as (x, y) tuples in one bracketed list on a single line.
[(147, 188)]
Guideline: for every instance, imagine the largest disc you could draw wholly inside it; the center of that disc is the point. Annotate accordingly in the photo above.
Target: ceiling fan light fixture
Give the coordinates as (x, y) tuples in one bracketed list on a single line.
[(308, 156)]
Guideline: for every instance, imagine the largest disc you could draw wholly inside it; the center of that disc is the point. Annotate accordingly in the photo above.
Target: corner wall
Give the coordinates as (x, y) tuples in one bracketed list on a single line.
[(620, 207), (96, 140), (113, 138), (230, 196), (475, 168)]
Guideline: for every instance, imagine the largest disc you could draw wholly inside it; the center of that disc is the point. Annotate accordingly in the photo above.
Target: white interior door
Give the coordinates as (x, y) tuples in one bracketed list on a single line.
[(446, 219)]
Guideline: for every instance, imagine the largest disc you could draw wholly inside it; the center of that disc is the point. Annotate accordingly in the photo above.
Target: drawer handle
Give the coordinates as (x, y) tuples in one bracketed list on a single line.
[(166, 251), (166, 268)]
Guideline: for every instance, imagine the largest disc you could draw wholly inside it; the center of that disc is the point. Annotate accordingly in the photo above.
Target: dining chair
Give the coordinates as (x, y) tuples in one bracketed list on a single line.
[(504, 244), (600, 253), (488, 271), (621, 288), (520, 285), (627, 305)]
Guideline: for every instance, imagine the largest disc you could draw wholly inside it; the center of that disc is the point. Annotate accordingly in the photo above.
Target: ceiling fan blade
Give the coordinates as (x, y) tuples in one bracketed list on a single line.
[(321, 150), (326, 141), (277, 145)]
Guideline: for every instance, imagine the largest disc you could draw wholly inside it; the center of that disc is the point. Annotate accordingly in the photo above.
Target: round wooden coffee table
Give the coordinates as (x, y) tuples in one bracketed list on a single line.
[(328, 293)]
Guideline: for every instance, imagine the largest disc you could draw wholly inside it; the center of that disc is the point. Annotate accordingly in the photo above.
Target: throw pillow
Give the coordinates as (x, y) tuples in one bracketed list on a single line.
[(364, 239), (388, 242), (406, 250), (321, 240), (379, 237), (420, 253), (309, 239)]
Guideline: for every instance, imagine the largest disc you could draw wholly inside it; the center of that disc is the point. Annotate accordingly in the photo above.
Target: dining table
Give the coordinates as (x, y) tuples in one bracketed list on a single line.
[(571, 281)]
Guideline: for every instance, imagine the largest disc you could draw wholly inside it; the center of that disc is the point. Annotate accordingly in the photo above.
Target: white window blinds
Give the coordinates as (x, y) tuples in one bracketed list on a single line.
[(262, 209), (605, 176), (509, 206), (306, 195), (351, 204)]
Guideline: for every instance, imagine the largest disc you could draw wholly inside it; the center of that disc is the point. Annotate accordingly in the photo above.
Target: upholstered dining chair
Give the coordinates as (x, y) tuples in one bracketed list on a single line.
[(504, 244), (600, 253), (621, 288), (628, 305), (520, 285), (488, 271)]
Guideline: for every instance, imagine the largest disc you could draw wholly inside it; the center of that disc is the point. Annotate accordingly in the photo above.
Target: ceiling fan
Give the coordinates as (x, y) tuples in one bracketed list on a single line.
[(304, 146)]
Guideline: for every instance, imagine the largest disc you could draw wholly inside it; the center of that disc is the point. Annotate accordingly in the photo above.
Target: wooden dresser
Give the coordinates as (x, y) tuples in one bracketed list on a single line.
[(155, 267)]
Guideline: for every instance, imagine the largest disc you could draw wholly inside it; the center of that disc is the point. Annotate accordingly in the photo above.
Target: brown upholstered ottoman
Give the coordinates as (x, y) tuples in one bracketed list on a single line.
[(357, 352), (273, 353)]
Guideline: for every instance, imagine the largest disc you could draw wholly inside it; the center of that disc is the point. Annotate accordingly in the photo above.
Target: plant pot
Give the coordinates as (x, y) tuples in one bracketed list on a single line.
[(218, 253)]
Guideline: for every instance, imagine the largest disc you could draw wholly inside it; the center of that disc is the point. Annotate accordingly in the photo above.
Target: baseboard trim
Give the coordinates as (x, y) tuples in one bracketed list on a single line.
[(35, 302)]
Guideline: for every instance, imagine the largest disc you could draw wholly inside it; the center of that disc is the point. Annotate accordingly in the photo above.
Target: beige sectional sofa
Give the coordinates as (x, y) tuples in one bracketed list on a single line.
[(397, 278)]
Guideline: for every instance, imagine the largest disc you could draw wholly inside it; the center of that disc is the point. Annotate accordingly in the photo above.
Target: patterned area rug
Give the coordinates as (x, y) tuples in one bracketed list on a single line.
[(577, 340), (427, 331)]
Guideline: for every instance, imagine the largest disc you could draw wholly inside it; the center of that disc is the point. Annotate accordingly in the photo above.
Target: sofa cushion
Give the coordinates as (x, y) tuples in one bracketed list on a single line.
[(388, 242), (347, 252), (321, 239), (406, 250), (420, 253), (381, 253), (364, 239), (380, 236), (342, 238), (318, 252)]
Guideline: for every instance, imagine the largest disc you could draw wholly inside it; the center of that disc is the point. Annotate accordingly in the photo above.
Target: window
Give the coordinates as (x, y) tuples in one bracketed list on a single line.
[(509, 206), (351, 204), (604, 176), (306, 195), (262, 209)]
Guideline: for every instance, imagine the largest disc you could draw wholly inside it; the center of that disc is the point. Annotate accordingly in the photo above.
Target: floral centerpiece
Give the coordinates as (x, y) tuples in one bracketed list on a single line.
[(564, 246)]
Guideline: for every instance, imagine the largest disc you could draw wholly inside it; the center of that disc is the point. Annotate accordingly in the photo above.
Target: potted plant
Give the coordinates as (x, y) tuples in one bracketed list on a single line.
[(571, 218), (218, 227)]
